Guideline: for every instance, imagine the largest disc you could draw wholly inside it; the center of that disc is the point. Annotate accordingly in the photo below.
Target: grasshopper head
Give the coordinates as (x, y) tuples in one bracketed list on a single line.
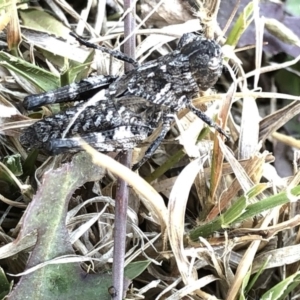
[(205, 58)]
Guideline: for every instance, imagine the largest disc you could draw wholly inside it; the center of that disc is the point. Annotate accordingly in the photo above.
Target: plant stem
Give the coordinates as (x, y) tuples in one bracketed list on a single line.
[(122, 188)]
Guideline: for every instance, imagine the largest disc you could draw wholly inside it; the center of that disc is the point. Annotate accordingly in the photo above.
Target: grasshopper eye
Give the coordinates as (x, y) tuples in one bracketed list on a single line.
[(133, 120), (214, 64)]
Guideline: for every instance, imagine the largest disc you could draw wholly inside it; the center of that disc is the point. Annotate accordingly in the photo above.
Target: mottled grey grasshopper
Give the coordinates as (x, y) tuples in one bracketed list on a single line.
[(131, 106)]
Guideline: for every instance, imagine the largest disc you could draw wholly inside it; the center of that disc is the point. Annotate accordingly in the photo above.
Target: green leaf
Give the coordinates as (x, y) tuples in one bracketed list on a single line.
[(8, 184), (293, 7), (244, 285), (256, 276), (239, 207), (268, 203), (239, 212), (42, 21), (79, 71), (76, 71), (134, 269), (47, 216), (13, 162), (242, 23), (29, 163), (236, 213), (282, 289), (4, 284), (43, 79)]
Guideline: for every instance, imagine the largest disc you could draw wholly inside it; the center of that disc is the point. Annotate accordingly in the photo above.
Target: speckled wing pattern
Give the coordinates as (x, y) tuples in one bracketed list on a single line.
[(126, 109)]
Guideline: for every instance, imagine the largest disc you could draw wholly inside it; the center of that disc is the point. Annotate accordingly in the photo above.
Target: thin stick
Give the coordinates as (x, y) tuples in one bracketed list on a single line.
[(122, 188)]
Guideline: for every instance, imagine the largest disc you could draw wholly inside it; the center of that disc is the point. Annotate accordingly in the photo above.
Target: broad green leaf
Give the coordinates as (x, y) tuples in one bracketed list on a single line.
[(42, 21), (46, 215), (43, 79)]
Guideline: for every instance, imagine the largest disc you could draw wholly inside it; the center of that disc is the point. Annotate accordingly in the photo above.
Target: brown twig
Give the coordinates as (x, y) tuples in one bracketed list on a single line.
[(122, 188)]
